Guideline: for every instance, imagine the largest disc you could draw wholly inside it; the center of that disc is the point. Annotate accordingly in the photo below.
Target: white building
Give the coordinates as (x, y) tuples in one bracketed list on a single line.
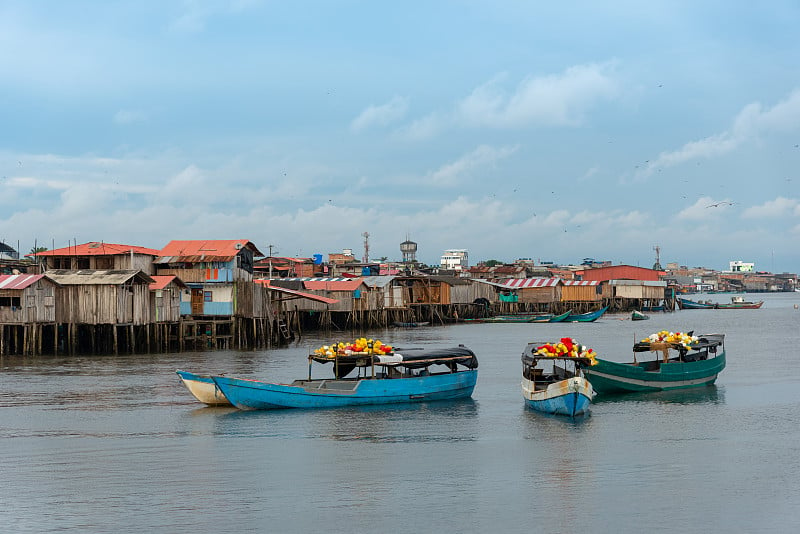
[(455, 260), (742, 267)]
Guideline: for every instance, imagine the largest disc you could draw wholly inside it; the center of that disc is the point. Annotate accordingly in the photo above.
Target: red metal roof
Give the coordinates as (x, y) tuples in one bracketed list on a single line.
[(206, 249), (162, 281), (18, 281), (524, 283), (342, 285), (95, 248), (298, 294), (621, 272)]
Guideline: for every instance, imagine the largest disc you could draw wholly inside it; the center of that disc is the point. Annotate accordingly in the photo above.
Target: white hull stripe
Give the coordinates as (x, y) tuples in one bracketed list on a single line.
[(654, 383)]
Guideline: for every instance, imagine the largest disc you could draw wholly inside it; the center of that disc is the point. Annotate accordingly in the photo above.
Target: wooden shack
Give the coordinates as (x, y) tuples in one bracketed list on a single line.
[(535, 290), (581, 291), (27, 313), (99, 256), (27, 298), (91, 297), (218, 272), (165, 292)]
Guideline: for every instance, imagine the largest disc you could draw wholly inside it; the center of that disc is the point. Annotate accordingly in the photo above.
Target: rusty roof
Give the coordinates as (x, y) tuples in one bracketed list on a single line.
[(297, 294), (204, 250), (162, 281), (97, 248)]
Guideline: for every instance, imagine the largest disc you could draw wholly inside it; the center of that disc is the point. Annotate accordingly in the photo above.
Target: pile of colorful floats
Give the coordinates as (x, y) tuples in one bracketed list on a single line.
[(561, 378)]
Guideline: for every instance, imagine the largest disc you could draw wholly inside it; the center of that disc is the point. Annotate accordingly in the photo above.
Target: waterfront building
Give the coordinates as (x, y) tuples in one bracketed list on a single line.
[(455, 259), (99, 256)]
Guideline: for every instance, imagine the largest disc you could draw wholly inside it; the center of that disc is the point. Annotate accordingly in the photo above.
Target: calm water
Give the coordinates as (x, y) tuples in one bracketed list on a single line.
[(117, 444)]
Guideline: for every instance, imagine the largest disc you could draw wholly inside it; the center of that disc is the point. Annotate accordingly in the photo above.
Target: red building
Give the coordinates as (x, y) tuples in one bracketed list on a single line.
[(620, 272)]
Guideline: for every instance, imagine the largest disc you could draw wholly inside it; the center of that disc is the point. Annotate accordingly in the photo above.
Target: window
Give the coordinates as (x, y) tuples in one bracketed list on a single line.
[(206, 296), (9, 302)]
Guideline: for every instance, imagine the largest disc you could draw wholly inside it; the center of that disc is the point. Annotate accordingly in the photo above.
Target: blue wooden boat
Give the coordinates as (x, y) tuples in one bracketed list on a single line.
[(687, 304), (410, 375), (586, 317), (203, 388), (555, 385), (674, 366)]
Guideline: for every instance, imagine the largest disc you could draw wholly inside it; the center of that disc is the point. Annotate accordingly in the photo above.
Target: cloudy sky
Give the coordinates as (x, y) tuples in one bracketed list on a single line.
[(510, 129)]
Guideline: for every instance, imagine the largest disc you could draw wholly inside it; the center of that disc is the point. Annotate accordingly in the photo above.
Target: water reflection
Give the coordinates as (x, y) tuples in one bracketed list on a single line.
[(441, 421), (702, 395)]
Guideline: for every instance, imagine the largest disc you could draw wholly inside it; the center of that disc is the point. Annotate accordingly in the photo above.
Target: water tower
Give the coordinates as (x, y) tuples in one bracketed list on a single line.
[(409, 250)]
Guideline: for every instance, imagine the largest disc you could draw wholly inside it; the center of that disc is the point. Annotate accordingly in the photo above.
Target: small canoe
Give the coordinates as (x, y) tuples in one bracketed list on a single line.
[(560, 318), (586, 317), (203, 388), (639, 316)]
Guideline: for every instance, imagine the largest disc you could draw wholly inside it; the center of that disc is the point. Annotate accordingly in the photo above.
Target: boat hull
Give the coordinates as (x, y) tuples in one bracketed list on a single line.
[(255, 395), (203, 388), (586, 317), (560, 318), (612, 377), (570, 397)]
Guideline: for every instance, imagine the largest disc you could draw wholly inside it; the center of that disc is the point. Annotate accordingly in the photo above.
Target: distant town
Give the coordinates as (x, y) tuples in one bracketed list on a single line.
[(99, 297)]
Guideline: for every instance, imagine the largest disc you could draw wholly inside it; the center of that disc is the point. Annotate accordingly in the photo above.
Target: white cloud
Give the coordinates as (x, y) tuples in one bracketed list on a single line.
[(780, 207), (381, 115), (452, 173), (750, 122), (425, 128), (705, 208), (554, 100)]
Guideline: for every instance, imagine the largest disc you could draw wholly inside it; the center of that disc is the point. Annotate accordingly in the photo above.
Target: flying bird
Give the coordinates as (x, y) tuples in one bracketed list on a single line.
[(717, 204)]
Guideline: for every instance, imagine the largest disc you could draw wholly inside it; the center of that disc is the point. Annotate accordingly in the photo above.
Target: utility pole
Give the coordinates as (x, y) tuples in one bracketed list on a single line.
[(270, 261), (365, 259)]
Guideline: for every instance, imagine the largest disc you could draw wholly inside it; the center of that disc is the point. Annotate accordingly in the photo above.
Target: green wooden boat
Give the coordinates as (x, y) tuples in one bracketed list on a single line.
[(672, 366)]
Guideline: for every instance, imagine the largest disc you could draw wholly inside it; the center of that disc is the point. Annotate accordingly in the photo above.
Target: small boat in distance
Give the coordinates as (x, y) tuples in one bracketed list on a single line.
[(555, 384), (736, 303), (586, 317), (402, 376), (687, 304), (203, 388), (639, 316), (675, 365)]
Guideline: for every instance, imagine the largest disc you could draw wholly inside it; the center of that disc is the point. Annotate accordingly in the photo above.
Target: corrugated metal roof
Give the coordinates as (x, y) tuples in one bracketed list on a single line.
[(96, 248), (297, 294), (581, 282), (487, 282), (650, 283), (378, 281), (18, 281), (162, 281), (96, 277), (348, 284), (204, 250), (525, 283), (318, 279)]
